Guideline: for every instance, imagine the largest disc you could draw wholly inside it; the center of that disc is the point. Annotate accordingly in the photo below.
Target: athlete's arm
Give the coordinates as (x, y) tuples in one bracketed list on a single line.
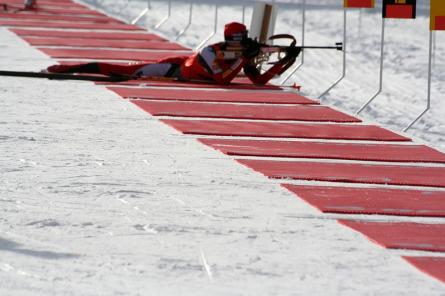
[(225, 77), (257, 78), (222, 75)]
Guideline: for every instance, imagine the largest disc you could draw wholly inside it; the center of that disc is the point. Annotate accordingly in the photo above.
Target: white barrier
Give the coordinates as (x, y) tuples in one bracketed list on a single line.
[(303, 28), (189, 22), (382, 45), (428, 102), (215, 29)]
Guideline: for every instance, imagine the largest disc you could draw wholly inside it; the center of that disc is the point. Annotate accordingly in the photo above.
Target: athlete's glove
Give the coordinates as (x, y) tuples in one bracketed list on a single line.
[(292, 52), (252, 48)]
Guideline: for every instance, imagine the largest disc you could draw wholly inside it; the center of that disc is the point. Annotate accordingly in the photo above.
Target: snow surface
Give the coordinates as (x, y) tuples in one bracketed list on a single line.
[(99, 198)]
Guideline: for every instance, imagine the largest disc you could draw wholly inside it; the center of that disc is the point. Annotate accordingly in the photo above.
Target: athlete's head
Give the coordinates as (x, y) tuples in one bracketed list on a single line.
[(235, 32)]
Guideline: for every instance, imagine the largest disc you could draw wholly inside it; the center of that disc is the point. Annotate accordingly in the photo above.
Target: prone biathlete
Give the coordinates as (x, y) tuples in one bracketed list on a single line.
[(218, 63)]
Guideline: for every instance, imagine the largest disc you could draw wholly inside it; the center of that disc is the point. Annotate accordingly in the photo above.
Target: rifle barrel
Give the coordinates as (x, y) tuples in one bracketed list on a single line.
[(273, 48), (320, 47)]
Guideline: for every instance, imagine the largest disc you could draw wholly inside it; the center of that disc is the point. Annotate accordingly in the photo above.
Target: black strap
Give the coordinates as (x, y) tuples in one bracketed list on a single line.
[(174, 71), (203, 63)]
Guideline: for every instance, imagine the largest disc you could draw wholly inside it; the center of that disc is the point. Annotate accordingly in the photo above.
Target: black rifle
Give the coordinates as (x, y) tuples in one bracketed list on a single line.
[(266, 48)]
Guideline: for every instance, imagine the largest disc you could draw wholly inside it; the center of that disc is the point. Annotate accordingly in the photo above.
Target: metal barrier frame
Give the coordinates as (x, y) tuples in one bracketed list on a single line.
[(142, 13), (303, 28), (434, 48), (165, 18), (344, 56), (382, 52), (428, 104), (189, 22), (215, 29)]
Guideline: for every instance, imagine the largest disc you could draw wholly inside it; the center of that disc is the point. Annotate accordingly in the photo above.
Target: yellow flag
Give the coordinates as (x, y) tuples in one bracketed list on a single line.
[(437, 17)]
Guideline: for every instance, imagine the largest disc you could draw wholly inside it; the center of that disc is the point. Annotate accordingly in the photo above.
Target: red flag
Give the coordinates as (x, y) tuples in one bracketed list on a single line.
[(399, 8), (359, 3)]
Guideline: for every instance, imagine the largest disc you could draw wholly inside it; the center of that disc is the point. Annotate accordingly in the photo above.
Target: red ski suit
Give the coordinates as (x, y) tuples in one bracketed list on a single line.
[(216, 63)]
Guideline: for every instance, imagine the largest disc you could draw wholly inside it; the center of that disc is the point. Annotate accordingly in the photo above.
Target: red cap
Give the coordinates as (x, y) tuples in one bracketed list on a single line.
[(235, 31)]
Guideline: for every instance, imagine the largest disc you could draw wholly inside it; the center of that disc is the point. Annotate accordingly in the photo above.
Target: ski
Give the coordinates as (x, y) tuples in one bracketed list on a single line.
[(64, 76), (99, 78)]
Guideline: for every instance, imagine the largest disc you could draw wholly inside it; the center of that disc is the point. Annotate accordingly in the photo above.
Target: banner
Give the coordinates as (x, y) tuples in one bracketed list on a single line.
[(437, 17), (359, 3), (399, 8)]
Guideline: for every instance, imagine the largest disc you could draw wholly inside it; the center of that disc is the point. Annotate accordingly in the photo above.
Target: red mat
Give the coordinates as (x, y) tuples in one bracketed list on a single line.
[(53, 17), (351, 173), (88, 35), (41, 1), (402, 235), (376, 152), (110, 54), (434, 266), (212, 95), (80, 42), (165, 83), (67, 25), (60, 3), (150, 56), (42, 6), (284, 130), (347, 200), (236, 111), (64, 2), (144, 83), (47, 9)]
